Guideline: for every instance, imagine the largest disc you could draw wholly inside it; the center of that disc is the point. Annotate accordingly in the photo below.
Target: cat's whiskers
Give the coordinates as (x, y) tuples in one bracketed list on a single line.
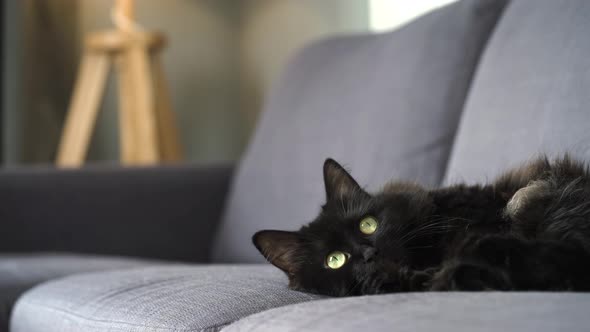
[(430, 226), (355, 285), (420, 247), (438, 225)]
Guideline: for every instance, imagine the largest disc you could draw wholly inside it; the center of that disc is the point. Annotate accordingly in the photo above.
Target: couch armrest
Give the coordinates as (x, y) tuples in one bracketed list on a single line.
[(168, 212)]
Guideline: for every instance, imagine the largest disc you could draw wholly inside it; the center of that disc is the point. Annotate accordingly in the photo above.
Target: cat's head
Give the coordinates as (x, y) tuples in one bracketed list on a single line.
[(356, 238)]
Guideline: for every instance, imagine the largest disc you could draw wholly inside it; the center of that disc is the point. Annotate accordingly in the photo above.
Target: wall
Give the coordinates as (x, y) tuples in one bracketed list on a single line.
[(222, 58), (271, 31), (389, 14), (201, 67), (38, 72)]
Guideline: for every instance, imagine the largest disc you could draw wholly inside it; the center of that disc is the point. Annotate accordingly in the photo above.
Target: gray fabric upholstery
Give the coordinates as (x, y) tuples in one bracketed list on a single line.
[(159, 298), (531, 93), (428, 312), (386, 106), (156, 212), (19, 272)]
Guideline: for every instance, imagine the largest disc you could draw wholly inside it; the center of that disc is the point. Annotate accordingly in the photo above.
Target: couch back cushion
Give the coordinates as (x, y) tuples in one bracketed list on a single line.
[(531, 93), (386, 106)]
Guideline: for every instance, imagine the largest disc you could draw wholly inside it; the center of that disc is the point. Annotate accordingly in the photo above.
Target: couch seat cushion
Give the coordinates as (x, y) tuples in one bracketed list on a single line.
[(156, 298), (19, 272), (441, 312)]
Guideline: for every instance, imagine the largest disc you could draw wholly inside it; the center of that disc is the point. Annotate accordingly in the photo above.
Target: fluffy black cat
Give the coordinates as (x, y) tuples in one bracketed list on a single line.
[(529, 230)]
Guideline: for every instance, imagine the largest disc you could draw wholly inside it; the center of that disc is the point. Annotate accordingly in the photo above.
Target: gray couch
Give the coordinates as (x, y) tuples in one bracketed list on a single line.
[(456, 95)]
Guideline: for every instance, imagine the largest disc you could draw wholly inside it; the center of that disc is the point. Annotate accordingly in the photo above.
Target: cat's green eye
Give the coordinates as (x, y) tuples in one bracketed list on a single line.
[(336, 260), (368, 225)]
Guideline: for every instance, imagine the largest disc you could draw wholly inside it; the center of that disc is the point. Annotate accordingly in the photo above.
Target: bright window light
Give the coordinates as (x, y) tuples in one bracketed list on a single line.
[(389, 14)]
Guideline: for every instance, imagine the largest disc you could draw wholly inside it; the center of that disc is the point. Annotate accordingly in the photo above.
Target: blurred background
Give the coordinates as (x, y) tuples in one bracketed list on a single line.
[(221, 59)]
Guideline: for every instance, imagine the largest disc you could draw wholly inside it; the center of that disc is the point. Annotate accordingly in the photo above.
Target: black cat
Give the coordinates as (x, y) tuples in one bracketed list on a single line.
[(529, 230)]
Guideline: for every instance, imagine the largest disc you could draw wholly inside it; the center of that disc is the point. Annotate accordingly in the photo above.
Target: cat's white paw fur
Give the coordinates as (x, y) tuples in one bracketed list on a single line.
[(519, 200)]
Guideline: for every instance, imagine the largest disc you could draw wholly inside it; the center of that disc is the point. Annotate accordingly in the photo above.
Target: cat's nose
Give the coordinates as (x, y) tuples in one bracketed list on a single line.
[(369, 254)]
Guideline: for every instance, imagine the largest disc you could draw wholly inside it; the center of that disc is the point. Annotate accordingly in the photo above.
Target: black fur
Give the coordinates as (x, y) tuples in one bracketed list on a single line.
[(529, 230)]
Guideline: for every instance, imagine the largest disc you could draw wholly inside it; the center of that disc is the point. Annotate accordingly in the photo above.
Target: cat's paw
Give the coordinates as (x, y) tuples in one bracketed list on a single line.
[(420, 281), (402, 280), (529, 205), (528, 200), (465, 276)]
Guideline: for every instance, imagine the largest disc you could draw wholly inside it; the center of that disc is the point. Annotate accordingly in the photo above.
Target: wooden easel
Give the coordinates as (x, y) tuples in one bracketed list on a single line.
[(147, 128)]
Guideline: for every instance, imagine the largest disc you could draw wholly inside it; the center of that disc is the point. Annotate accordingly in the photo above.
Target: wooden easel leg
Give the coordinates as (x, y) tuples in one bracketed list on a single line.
[(83, 109), (168, 139), (127, 118), (143, 100)]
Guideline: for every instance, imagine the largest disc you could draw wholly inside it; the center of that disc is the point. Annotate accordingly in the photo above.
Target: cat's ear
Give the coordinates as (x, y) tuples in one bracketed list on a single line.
[(279, 248), (337, 181)]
